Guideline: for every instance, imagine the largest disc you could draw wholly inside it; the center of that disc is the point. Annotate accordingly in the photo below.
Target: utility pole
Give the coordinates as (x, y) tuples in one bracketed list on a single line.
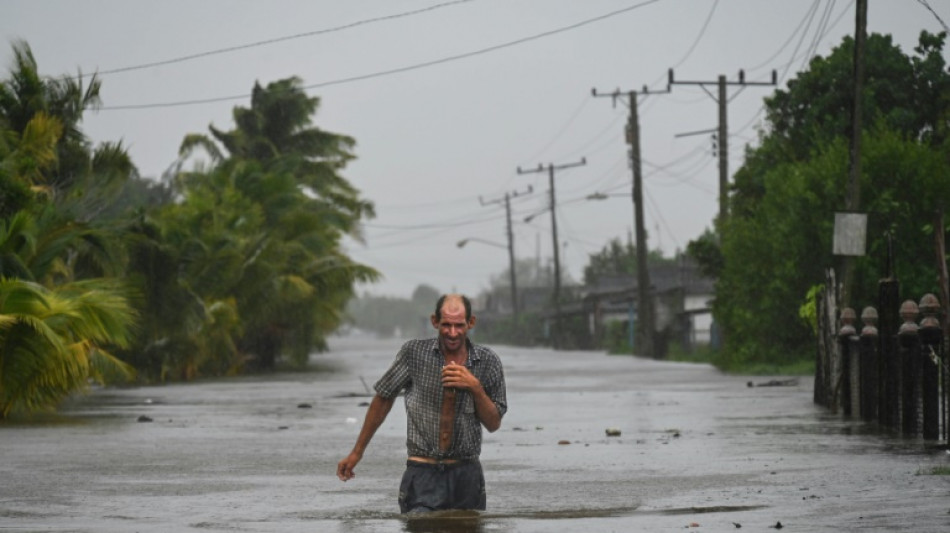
[(646, 323), (723, 134), (511, 244), (852, 201), (556, 332)]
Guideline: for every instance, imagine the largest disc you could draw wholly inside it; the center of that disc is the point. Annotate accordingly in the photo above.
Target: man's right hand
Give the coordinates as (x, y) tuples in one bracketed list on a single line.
[(345, 468)]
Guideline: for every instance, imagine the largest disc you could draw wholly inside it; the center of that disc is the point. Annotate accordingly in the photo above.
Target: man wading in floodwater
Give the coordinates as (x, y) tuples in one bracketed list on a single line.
[(453, 387)]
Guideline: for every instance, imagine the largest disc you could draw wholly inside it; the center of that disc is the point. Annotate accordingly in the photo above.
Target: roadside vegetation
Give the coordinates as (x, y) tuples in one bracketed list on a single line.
[(220, 268)]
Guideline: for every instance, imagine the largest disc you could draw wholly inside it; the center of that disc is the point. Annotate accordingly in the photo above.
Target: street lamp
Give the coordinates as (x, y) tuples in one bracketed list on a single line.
[(463, 242)]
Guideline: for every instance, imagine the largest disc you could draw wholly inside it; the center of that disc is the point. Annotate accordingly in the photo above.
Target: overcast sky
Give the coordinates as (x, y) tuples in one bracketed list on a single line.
[(446, 99)]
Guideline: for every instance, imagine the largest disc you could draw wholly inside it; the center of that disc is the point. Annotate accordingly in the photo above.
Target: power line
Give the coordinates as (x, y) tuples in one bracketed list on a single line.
[(787, 41), (563, 129), (429, 225), (274, 40), (692, 47), (940, 20), (397, 70), (827, 30), (699, 37)]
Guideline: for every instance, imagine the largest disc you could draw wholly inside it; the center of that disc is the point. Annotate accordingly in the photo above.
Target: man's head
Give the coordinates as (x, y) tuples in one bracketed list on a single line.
[(453, 318)]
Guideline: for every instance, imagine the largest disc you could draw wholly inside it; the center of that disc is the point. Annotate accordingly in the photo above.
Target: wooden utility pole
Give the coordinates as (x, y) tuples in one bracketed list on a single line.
[(852, 201), (645, 322), (723, 134), (556, 331), (511, 244)]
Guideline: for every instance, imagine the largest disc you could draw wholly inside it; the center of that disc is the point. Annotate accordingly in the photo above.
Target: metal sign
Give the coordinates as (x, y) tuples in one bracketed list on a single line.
[(850, 236)]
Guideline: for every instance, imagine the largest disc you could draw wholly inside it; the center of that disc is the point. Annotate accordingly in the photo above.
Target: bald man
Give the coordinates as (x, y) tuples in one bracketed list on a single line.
[(452, 389)]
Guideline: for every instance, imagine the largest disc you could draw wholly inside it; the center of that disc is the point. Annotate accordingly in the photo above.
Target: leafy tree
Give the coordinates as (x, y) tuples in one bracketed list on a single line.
[(260, 229), (60, 306), (617, 259), (777, 240), (707, 254)]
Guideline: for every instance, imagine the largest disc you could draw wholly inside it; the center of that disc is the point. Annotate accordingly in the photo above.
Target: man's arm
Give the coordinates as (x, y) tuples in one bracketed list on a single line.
[(375, 415), (455, 375), (485, 409)]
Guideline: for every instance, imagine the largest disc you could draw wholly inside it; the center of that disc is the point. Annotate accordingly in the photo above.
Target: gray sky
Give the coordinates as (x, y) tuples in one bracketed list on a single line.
[(509, 85)]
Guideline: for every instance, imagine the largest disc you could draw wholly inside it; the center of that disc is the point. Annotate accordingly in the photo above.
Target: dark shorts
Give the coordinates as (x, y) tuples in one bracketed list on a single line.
[(435, 487)]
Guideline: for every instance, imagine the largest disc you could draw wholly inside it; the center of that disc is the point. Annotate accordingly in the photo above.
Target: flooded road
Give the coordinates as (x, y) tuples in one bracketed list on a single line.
[(696, 450)]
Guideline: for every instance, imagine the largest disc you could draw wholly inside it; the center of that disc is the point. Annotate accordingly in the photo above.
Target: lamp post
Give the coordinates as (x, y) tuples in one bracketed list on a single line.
[(511, 265)]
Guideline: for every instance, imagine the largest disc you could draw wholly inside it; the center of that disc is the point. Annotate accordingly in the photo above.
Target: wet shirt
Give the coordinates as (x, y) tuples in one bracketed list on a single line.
[(417, 370)]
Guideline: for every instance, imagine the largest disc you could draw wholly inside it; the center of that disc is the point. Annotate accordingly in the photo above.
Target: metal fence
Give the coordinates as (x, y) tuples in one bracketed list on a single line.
[(893, 371)]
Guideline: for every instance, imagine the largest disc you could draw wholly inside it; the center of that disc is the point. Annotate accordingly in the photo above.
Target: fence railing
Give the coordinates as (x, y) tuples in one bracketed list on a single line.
[(892, 372)]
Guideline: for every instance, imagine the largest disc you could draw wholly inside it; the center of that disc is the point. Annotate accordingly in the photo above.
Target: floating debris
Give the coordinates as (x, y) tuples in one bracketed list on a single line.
[(775, 383), (613, 432), (144, 418)]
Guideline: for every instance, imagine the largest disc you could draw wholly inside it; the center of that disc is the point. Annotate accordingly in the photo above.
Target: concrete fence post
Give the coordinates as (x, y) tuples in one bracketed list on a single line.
[(868, 371), (889, 322), (848, 362), (909, 379), (931, 338)]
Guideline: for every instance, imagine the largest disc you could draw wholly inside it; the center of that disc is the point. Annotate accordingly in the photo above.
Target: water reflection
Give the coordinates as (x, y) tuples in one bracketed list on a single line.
[(444, 522)]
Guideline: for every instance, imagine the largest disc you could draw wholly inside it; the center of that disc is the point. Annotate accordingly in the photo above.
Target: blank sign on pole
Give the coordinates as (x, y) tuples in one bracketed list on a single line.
[(850, 233)]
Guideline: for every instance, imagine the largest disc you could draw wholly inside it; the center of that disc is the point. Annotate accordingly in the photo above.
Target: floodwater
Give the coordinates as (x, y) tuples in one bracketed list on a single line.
[(697, 450)]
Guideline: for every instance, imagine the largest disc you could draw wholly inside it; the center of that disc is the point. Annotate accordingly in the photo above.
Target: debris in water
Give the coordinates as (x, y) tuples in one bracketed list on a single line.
[(613, 432), (775, 383), (144, 418), (304, 406), (563, 442)]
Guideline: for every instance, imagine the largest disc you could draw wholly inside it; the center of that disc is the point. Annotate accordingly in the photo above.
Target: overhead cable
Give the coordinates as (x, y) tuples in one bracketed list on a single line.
[(397, 70), (275, 40)]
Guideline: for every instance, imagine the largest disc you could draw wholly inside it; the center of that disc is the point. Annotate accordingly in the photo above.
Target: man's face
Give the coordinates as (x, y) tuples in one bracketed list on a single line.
[(452, 325)]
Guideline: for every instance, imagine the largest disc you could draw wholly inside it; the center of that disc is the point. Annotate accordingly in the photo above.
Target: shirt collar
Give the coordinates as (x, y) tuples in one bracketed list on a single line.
[(473, 354)]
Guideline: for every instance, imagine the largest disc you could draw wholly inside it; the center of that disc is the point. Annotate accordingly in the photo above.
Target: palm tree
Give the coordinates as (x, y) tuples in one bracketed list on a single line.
[(53, 342), (270, 215), (26, 94), (61, 308)]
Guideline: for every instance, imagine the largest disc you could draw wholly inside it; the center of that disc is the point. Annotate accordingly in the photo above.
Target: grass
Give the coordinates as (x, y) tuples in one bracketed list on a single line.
[(940, 471), (705, 354)]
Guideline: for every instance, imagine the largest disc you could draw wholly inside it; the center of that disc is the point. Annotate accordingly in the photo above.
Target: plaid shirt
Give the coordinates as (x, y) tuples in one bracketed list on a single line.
[(417, 369)]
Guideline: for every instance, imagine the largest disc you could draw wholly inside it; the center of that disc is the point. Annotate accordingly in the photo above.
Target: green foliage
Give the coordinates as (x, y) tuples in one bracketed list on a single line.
[(617, 338), (617, 259), (62, 310), (777, 241), (808, 312), (254, 242), (54, 341), (707, 254), (228, 266)]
